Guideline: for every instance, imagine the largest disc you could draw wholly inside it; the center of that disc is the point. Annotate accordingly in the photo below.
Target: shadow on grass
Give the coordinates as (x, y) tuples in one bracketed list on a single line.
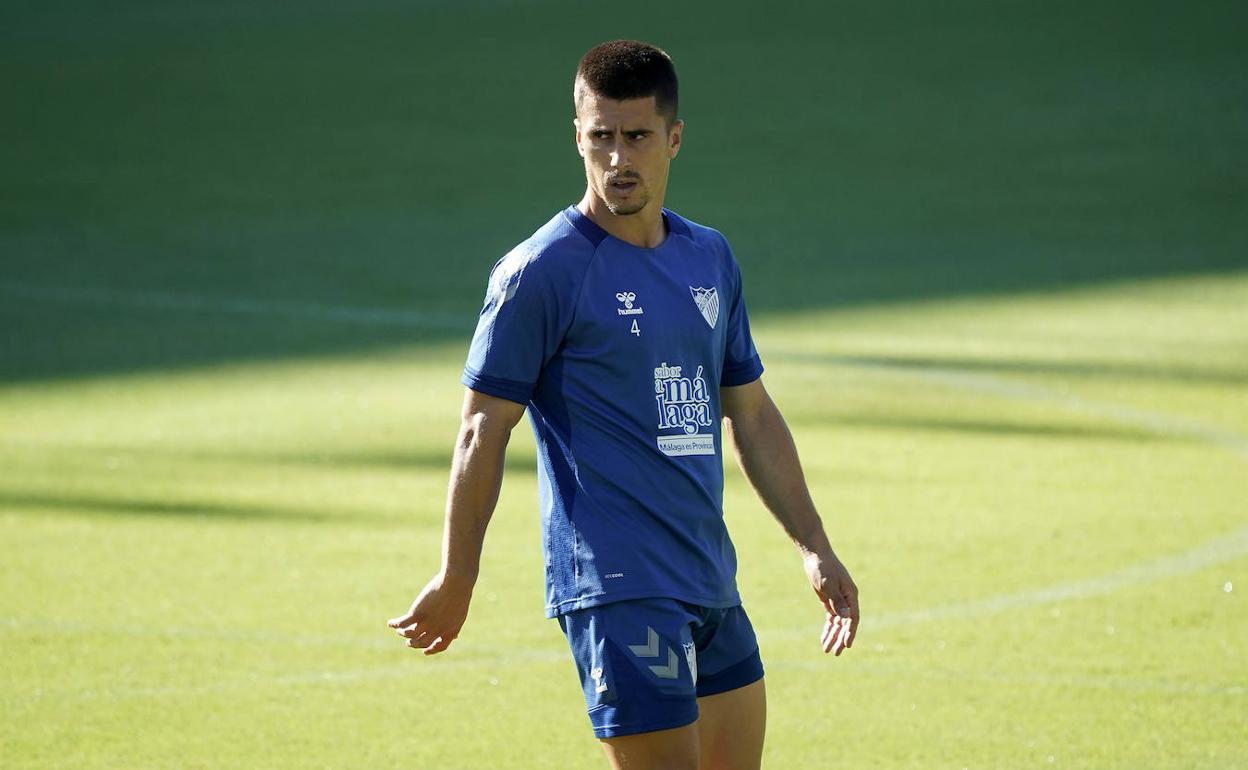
[(515, 464), (1187, 375), (153, 459), (197, 184), (986, 428), (58, 502)]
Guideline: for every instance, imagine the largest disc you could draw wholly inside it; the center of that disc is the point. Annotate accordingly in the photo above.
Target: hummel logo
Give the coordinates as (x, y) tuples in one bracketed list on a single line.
[(599, 685), (651, 650), (628, 298)]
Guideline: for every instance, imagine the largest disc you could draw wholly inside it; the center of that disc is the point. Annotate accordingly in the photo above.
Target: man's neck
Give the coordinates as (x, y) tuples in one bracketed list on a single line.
[(645, 229)]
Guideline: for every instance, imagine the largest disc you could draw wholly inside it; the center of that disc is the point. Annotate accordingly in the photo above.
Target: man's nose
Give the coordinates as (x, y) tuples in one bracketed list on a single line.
[(618, 157)]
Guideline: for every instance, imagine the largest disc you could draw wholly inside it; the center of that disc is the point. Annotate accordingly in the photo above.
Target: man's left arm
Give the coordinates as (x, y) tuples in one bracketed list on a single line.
[(768, 457)]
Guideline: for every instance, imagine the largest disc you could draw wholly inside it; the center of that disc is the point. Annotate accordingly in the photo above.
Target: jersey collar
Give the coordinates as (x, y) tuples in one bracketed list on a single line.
[(676, 225)]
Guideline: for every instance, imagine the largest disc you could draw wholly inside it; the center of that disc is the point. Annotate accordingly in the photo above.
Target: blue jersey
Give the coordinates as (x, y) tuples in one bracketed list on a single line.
[(619, 353)]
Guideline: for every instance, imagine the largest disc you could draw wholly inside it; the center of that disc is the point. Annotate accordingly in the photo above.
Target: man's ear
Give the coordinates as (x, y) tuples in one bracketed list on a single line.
[(576, 123), (674, 138)]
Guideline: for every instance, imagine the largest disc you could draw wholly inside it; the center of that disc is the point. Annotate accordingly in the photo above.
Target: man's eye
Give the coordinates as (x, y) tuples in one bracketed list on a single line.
[(601, 135)]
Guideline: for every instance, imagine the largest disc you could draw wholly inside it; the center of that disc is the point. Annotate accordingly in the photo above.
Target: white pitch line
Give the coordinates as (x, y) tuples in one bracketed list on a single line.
[(1154, 422), (957, 379), (1217, 551), (486, 661), (1220, 550), (1071, 680), (191, 633), (186, 302)]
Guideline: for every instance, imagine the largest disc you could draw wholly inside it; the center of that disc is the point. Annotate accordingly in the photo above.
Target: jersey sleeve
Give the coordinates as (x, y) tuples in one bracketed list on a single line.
[(741, 362), (520, 327)]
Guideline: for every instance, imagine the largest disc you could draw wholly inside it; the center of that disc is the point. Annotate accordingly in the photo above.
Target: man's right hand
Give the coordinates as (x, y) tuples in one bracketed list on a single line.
[(437, 615)]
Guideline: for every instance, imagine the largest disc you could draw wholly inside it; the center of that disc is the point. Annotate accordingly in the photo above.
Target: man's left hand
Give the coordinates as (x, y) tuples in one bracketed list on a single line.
[(839, 596)]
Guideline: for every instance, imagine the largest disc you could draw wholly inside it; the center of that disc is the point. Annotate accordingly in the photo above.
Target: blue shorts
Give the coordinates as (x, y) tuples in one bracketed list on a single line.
[(644, 663)]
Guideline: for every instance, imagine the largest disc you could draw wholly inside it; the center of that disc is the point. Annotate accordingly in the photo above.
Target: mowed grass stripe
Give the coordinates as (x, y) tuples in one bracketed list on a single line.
[(202, 303)]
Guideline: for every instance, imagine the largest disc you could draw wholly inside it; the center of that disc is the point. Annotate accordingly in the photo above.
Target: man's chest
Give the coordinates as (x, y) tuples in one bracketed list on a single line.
[(649, 338), (648, 310)]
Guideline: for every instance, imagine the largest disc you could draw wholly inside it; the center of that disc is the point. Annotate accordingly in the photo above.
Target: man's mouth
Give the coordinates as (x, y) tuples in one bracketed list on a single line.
[(623, 186)]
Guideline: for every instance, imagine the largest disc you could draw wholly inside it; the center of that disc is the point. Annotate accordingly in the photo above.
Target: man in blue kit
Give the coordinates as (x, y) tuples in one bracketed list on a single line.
[(621, 327)]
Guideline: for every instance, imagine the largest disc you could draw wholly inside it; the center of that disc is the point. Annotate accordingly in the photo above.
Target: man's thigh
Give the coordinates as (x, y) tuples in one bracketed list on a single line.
[(731, 727), (727, 736), (675, 749)]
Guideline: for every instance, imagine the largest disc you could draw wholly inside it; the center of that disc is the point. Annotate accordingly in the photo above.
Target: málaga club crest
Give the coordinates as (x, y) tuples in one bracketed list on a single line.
[(707, 301)]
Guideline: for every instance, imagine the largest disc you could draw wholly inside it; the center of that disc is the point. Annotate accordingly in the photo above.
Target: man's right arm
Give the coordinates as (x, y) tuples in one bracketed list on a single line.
[(439, 611)]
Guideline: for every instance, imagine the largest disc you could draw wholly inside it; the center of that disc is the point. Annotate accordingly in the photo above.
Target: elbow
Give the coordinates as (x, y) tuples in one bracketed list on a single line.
[(744, 420), (478, 429)]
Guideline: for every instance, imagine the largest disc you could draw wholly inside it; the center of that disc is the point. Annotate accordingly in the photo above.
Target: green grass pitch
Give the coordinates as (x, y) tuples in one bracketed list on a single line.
[(996, 261)]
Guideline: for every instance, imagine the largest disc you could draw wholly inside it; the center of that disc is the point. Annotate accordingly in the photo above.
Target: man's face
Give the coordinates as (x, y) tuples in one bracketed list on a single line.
[(627, 146)]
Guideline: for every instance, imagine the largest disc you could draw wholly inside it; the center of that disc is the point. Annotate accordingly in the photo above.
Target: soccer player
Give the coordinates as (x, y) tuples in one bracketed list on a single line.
[(621, 327)]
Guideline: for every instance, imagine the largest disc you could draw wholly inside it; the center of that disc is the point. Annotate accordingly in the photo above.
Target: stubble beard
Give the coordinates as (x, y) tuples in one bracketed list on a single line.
[(625, 209)]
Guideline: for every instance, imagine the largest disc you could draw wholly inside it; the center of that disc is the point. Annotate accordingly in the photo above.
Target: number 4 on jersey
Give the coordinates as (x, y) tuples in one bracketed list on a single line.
[(635, 329)]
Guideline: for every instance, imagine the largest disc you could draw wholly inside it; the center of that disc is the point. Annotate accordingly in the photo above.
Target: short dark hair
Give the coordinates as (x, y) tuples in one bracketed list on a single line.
[(630, 69)]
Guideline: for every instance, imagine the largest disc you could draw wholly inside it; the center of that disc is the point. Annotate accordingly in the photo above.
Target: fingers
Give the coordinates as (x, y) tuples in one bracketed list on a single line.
[(412, 630), (416, 637), (840, 602), (853, 624), (837, 631), (440, 644), (829, 634), (431, 643), (419, 636), (847, 614), (851, 599), (842, 636), (846, 607)]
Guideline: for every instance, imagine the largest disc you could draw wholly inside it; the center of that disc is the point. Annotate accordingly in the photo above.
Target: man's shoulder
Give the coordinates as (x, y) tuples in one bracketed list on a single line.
[(555, 246), (701, 235), (555, 258), (558, 239)]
